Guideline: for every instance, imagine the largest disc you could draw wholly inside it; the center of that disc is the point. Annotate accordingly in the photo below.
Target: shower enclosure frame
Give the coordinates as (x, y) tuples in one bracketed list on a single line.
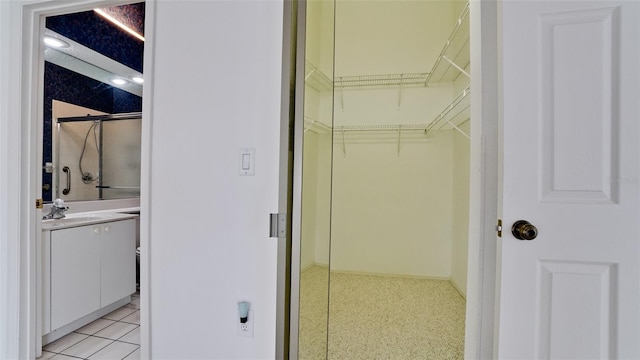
[(99, 119)]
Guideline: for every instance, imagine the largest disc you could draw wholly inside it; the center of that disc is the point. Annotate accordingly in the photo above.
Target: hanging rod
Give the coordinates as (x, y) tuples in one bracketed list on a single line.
[(381, 80), (463, 16), (109, 117)]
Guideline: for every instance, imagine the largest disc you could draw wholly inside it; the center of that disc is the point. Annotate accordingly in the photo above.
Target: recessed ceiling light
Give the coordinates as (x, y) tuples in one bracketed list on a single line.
[(56, 43), (118, 81), (137, 79)]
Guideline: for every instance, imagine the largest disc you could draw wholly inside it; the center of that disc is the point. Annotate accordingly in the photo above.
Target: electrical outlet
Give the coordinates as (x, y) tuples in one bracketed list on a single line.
[(246, 329)]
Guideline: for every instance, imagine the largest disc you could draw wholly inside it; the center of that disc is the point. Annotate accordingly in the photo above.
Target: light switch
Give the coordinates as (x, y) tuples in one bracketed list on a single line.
[(246, 161), (247, 166)]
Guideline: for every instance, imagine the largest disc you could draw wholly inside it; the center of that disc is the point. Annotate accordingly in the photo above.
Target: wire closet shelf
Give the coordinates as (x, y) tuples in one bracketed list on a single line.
[(452, 62)]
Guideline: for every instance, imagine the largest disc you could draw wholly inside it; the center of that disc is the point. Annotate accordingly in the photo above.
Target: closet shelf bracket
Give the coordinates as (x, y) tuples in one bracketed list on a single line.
[(400, 92), (443, 115), (458, 129), (456, 66)]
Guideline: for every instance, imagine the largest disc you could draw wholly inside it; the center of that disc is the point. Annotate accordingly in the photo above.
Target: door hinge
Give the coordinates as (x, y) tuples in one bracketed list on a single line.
[(499, 228), (278, 225), (39, 203)]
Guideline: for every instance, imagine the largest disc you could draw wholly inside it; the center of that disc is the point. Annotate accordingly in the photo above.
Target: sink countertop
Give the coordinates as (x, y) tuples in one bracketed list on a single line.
[(87, 218)]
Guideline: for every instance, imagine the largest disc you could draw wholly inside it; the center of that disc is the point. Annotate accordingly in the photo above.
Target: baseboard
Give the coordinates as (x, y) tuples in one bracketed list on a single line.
[(408, 276), (314, 265), (459, 290)]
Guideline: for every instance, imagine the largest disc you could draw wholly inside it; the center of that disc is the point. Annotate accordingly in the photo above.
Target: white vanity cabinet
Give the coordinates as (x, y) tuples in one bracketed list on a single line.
[(117, 261), (75, 273), (90, 267)]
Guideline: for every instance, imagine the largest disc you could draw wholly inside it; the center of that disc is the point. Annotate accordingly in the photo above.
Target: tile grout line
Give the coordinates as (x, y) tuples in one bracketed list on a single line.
[(128, 306), (131, 352)]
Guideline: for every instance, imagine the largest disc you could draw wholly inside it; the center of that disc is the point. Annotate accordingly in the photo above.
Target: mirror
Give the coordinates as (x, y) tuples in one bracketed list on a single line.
[(316, 181), (385, 180), (92, 106)]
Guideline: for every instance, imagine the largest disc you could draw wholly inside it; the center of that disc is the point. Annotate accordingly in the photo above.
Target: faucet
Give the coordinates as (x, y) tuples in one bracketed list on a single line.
[(57, 210)]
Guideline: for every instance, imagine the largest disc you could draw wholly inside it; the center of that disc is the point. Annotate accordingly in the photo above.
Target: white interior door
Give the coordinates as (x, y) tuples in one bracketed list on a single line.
[(571, 90)]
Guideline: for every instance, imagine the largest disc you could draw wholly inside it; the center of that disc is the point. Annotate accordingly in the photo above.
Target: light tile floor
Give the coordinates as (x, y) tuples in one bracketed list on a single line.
[(115, 336)]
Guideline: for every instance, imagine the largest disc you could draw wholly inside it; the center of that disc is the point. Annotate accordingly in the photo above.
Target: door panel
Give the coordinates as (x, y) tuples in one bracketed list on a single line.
[(571, 167)]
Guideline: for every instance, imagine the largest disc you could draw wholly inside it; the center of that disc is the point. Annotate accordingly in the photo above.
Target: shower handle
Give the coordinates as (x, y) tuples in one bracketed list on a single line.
[(67, 190)]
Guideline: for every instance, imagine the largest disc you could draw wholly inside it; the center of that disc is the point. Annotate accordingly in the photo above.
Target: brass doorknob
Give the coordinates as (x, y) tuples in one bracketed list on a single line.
[(524, 230)]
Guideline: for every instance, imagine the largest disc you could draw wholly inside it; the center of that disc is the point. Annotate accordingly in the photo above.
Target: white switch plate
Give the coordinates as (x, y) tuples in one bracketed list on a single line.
[(246, 329), (247, 162)]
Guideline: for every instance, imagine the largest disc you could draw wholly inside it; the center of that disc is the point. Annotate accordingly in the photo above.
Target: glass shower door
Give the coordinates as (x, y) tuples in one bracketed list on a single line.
[(121, 158)]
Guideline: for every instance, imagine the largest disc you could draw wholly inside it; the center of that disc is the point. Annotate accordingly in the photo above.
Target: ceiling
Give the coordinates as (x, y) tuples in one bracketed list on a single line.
[(95, 32), (99, 49)]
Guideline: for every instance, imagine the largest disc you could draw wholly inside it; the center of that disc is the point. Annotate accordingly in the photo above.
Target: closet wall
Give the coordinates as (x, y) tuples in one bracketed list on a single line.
[(318, 121), (392, 213), (460, 232), (400, 199)]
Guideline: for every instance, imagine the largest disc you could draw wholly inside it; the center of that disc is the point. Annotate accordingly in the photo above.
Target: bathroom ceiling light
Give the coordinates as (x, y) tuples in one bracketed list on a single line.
[(118, 23), (55, 43), (118, 81), (137, 79)]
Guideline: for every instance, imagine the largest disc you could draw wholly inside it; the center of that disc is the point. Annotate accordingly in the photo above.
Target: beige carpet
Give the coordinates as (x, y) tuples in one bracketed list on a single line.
[(379, 317)]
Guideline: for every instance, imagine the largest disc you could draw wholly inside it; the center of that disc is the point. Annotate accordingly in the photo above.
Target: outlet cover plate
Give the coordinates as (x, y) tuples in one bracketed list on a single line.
[(246, 329)]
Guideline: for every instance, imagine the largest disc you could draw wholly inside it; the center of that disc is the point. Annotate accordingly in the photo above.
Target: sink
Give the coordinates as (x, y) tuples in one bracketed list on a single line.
[(79, 219)]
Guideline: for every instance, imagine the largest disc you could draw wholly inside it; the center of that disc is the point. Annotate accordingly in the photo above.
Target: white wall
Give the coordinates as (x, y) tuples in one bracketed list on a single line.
[(318, 111), (216, 88), (11, 341), (408, 213), (460, 235), (316, 199), (392, 213), (384, 37), (319, 35)]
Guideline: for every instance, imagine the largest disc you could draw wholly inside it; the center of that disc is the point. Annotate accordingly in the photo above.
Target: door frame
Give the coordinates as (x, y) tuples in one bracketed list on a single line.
[(22, 24), (482, 271), (483, 267)]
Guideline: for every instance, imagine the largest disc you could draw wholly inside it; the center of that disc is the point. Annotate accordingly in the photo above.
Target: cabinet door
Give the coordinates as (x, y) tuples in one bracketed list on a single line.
[(75, 274), (118, 260)]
